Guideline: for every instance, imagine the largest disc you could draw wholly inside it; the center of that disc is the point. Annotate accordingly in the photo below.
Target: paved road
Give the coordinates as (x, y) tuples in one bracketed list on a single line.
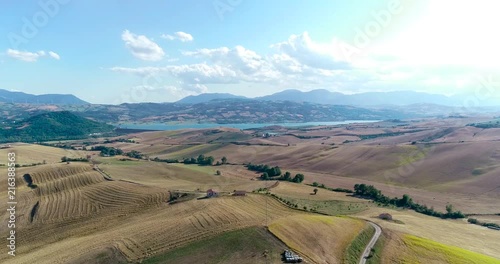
[(370, 245)]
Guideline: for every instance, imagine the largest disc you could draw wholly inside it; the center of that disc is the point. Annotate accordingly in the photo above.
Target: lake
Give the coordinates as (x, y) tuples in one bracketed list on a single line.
[(177, 126)]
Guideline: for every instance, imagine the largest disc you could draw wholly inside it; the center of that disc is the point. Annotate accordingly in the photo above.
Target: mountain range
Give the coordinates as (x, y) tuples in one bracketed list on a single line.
[(318, 96), (57, 99), (322, 96)]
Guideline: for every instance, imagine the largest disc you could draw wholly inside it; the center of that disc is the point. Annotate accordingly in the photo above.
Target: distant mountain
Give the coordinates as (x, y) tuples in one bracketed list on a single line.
[(58, 99), (206, 97), (322, 96), (319, 96), (60, 125)]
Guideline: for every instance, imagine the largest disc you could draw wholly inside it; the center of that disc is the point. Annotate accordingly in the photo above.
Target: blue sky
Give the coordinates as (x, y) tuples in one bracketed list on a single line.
[(161, 51)]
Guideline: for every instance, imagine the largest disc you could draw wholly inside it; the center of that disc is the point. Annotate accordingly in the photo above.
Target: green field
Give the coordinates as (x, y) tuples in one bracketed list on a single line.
[(329, 207), (247, 245), (422, 248), (203, 169)]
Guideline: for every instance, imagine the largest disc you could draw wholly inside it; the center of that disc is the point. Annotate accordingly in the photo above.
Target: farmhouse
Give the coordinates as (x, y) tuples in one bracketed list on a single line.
[(212, 193), (239, 193)]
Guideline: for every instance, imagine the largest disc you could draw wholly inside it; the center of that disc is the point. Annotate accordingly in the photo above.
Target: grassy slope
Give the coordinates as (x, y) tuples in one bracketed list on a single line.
[(450, 232), (330, 207), (358, 245), (240, 246), (422, 250), (378, 249)]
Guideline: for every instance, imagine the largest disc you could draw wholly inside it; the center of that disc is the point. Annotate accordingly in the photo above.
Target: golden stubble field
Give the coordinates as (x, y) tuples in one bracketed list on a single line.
[(322, 239), (33, 153), (80, 215)]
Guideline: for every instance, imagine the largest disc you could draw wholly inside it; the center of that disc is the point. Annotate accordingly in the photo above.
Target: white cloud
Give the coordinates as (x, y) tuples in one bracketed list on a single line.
[(303, 63), (30, 56), (54, 55), (239, 59), (182, 36), (315, 55), (142, 47)]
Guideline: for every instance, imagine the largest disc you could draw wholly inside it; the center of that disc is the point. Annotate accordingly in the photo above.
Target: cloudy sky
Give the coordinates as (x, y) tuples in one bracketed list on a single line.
[(160, 51)]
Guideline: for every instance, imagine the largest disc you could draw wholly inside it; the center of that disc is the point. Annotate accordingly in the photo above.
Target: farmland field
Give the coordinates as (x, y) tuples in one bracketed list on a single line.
[(75, 214), (331, 235), (249, 245)]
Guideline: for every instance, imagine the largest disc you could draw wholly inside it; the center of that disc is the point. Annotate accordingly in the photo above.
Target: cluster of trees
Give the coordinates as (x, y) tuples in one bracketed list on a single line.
[(111, 151), (67, 159), (201, 160), (369, 191), (485, 125), (270, 171), (134, 154), (274, 173), (322, 186), (166, 160), (107, 151), (107, 141)]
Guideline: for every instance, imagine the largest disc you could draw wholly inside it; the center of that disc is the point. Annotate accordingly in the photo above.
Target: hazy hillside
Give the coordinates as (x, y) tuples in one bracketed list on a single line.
[(237, 111), (206, 97), (323, 96), (52, 126), (20, 97)]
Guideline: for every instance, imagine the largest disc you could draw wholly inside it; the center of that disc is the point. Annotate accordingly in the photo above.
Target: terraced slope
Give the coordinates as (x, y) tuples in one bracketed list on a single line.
[(79, 217)]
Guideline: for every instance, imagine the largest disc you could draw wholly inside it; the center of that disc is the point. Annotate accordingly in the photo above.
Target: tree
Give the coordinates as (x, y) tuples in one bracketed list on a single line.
[(209, 160), (64, 159), (224, 160), (298, 178), (200, 159), (265, 176), (315, 191), (406, 201), (315, 184), (449, 208), (218, 172), (287, 176)]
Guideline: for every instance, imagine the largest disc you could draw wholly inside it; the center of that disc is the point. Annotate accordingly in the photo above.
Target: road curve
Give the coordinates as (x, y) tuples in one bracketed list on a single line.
[(366, 253)]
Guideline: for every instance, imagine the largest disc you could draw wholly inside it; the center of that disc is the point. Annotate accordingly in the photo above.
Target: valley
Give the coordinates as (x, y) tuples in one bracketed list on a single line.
[(124, 211)]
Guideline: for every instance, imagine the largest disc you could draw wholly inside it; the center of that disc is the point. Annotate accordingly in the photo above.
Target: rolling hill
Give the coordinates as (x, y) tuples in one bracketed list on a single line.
[(52, 126), (323, 96), (58, 99), (206, 97)]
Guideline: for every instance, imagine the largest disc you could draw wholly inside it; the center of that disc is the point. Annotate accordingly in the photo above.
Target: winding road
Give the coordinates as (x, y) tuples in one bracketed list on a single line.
[(370, 245)]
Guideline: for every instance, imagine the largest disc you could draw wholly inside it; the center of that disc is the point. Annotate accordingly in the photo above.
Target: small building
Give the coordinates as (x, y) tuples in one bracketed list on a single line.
[(239, 193), (291, 257), (385, 216), (212, 193)]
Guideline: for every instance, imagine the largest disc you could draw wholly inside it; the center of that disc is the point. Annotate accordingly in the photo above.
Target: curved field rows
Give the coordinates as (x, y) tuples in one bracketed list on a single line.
[(74, 191), (151, 231)]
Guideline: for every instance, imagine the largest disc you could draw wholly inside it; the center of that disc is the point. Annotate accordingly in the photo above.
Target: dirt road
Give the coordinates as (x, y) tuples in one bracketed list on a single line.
[(370, 245)]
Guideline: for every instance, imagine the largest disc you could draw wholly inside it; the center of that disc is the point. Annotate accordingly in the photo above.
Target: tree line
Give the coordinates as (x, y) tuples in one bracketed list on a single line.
[(477, 222), (369, 191), (322, 186)]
